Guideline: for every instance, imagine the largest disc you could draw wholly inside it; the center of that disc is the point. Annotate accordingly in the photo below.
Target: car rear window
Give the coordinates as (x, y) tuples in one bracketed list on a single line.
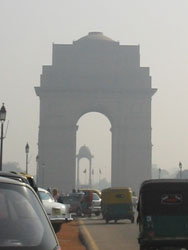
[(23, 223)]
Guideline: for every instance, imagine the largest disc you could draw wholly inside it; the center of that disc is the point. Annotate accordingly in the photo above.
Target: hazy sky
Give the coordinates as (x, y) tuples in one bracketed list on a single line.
[(28, 29)]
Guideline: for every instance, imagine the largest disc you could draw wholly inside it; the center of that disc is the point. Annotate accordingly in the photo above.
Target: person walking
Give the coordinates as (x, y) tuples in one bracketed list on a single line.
[(55, 194), (87, 202)]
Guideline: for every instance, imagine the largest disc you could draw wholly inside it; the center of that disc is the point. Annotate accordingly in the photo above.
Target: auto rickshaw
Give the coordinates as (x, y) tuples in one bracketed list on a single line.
[(117, 204), (163, 214)]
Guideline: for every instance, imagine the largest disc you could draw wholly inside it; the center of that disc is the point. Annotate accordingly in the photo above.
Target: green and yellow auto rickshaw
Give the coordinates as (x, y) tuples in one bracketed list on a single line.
[(163, 214), (117, 204)]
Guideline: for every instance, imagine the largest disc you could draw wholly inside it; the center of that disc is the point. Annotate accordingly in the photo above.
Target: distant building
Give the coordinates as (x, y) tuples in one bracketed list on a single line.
[(95, 74)]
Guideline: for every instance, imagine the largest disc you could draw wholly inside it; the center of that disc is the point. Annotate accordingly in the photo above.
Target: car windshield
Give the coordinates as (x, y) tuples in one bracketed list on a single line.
[(45, 196), (23, 222)]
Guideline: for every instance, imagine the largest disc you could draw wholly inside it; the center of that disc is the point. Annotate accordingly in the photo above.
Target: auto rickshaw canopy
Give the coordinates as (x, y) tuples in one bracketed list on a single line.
[(114, 195), (164, 197)]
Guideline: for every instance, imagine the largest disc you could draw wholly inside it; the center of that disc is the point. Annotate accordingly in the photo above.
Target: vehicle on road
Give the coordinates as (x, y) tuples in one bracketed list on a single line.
[(14, 176), (96, 205), (57, 212), (31, 181), (24, 224), (22, 177), (74, 200), (117, 204), (97, 191), (163, 214)]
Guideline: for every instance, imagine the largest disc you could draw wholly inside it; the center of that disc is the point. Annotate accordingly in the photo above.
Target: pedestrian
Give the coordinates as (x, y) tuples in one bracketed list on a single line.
[(87, 202), (55, 194)]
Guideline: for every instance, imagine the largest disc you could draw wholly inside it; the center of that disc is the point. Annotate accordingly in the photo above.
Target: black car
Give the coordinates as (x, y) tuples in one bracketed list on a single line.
[(22, 177), (24, 223), (14, 176)]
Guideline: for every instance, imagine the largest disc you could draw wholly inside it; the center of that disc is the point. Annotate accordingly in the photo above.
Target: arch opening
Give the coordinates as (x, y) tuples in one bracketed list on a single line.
[(94, 134)]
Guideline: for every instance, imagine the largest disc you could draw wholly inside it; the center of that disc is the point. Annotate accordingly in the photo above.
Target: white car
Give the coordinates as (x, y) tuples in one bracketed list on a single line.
[(55, 210), (96, 205)]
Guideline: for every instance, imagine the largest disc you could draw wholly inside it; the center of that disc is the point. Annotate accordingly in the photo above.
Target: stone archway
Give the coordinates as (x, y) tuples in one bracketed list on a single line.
[(95, 74)]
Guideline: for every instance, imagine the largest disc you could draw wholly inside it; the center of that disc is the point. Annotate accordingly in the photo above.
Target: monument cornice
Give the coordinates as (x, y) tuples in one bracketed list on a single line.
[(40, 91)]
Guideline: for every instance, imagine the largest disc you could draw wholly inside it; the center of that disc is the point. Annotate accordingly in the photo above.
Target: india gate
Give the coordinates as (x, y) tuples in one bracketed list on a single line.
[(95, 74)]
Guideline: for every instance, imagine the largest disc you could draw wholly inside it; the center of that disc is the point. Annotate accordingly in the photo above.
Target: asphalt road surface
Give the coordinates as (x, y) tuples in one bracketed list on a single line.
[(120, 236)]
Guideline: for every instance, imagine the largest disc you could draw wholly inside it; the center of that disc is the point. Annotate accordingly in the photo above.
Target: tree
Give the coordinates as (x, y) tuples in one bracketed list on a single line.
[(163, 173), (11, 166), (184, 174)]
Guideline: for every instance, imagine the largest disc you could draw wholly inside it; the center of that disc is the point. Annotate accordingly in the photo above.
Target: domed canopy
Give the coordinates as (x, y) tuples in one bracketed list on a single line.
[(95, 36), (84, 152)]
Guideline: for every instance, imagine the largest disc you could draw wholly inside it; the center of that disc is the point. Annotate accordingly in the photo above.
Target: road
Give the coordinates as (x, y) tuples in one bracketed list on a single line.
[(121, 236)]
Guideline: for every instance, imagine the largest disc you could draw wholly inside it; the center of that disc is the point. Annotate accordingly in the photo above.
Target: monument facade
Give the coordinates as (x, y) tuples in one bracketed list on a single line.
[(95, 74)]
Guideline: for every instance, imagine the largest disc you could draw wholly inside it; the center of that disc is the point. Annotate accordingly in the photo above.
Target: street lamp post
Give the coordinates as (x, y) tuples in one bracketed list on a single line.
[(27, 153), (180, 166), (2, 119)]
